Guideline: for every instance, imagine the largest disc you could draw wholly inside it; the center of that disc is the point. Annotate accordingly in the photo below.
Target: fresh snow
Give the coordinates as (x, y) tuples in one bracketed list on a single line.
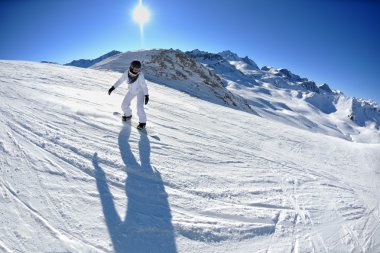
[(217, 179)]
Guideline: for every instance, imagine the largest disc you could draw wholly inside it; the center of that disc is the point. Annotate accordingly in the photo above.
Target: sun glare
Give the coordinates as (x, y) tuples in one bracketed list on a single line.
[(141, 15)]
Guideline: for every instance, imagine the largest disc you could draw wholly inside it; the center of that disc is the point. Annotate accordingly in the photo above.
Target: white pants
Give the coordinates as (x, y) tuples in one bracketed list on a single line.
[(126, 105)]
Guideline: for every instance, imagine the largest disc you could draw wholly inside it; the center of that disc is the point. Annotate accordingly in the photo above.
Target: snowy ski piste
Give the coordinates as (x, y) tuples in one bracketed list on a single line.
[(74, 178)]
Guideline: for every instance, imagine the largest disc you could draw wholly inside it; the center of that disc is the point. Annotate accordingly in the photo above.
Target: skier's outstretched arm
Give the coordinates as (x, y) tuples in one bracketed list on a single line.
[(118, 82)]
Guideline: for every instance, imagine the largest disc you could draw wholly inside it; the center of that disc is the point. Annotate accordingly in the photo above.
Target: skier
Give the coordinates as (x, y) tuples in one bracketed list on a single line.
[(136, 87)]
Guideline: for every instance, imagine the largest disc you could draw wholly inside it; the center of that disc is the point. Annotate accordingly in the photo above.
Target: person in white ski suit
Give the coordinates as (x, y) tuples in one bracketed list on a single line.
[(137, 87)]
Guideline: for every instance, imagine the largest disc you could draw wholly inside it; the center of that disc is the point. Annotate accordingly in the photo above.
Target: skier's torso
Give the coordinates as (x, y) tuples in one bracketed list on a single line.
[(137, 85)]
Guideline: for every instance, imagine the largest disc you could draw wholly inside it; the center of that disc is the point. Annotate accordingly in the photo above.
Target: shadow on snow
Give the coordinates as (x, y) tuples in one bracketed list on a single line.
[(147, 225)]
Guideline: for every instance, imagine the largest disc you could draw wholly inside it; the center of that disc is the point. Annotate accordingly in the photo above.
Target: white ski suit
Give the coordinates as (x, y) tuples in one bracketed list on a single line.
[(138, 88)]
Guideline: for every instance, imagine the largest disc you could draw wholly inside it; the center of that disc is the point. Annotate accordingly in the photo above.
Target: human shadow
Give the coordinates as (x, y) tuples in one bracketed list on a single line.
[(147, 226)]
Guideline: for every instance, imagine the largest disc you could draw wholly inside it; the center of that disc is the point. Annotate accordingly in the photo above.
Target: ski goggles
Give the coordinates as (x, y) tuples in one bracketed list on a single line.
[(135, 70)]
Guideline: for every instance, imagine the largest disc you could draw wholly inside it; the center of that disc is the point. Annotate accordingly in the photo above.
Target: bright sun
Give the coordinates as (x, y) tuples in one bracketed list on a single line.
[(141, 15)]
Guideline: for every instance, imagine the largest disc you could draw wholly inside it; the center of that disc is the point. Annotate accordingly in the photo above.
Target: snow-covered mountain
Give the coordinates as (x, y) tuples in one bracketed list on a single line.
[(82, 63), (177, 70), (278, 94), (206, 177), (242, 74), (243, 64), (233, 69)]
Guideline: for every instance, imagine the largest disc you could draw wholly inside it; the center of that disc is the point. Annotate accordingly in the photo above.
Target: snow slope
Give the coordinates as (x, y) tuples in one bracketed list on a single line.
[(74, 179)]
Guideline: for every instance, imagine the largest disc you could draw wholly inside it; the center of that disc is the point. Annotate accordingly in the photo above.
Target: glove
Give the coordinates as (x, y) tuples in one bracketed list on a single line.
[(110, 90), (146, 99)]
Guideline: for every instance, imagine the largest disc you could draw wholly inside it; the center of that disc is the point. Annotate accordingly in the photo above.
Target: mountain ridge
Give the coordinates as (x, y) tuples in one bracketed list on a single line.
[(85, 63), (276, 93)]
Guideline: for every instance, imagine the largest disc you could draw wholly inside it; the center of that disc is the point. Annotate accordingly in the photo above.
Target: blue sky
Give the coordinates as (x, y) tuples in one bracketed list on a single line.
[(328, 41)]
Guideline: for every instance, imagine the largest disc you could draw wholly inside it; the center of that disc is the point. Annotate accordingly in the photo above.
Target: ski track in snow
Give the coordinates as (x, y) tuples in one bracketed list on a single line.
[(216, 180)]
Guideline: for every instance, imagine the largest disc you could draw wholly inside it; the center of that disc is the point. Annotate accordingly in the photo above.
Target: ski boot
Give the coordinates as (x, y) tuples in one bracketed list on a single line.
[(125, 118), (141, 126)]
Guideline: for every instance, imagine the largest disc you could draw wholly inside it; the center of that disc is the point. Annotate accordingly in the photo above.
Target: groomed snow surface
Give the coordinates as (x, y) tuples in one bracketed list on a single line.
[(205, 178)]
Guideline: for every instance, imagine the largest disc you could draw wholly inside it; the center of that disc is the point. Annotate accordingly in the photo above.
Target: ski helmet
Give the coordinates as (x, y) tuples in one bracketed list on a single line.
[(135, 64)]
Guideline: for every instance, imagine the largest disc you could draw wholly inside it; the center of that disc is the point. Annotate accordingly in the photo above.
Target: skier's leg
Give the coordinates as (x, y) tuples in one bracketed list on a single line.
[(126, 105), (140, 107)]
